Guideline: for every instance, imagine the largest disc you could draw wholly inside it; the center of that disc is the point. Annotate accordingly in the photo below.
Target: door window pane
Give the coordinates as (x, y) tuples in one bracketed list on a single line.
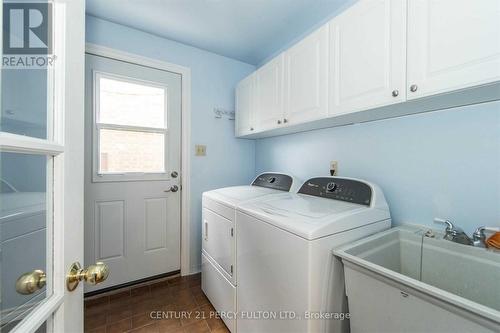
[(130, 151), (24, 102), (133, 104), (23, 232)]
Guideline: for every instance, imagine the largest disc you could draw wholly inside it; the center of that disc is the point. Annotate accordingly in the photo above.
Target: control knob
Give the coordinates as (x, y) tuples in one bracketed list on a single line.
[(331, 187)]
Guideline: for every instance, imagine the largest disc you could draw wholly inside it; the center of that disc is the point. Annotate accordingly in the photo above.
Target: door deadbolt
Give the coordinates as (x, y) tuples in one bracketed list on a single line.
[(174, 174), (173, 188)]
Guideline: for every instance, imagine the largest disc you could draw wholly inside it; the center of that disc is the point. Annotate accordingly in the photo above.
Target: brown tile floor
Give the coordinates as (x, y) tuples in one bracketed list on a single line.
[(179, 300)]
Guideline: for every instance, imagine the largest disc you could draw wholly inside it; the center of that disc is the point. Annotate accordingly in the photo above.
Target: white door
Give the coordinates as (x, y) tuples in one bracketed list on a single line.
[(452, 44), (245, 109), (41, 169), (306, 78), (132, 187), (269, 94), (367, 56)]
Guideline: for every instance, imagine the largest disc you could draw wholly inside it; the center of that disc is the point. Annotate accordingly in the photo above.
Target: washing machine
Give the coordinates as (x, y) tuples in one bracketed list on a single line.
[(287, 278), (218, 271)]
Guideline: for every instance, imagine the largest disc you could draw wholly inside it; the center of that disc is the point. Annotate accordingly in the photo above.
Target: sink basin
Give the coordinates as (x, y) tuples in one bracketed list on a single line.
[(425, 284)]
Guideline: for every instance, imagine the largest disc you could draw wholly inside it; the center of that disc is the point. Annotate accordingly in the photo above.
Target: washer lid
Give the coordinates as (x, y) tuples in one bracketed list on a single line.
[(264, 184), (303, 206), (312, 217)]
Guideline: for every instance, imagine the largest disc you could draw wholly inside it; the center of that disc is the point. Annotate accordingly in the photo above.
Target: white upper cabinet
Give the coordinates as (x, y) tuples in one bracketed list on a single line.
[(306, 78), (269, 94), (368, 56), (245, 100), (452, 44), (366, 62)]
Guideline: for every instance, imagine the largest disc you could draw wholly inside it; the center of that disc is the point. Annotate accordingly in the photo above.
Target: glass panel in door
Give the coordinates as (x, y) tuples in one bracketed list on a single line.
[(28, 68), (25, 102), (25, 226)]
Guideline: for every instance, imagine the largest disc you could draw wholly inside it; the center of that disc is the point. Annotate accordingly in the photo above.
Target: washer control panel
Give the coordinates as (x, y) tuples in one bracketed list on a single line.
[(342, 189), (276, 181)]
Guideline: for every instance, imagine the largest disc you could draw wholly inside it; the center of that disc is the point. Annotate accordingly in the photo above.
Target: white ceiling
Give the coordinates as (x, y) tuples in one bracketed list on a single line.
[(247, 30)]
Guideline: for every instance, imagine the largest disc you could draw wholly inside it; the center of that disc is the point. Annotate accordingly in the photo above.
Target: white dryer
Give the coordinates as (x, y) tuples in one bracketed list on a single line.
[(218, 278), (287, 278)]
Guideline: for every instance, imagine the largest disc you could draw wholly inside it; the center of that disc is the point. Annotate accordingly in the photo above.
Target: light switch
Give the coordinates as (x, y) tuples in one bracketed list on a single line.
[(200, 150)]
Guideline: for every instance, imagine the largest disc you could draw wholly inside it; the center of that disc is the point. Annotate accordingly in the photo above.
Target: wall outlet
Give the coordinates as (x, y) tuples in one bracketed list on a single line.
[(334, 168), (200, 150)]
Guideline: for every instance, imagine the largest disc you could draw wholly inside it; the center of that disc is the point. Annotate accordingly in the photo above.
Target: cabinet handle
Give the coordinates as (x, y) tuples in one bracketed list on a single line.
[(413, 88), (395, 93), (285, 121), (279, 122), (251, 128), (206, 230)]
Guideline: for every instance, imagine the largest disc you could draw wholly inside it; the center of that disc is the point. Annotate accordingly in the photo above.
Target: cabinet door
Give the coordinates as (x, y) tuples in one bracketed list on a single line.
[(367, 56), (245, 106), (306, 77), (452, 44), (269, 94)]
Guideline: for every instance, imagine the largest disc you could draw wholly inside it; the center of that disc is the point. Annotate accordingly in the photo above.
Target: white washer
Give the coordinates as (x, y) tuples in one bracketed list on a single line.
[(218, 279), (284, 253)]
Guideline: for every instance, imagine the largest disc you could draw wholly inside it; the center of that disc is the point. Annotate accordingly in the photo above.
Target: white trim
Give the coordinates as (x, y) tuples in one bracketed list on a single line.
[(130, 128), (185, 73), (25, 144), (35, 319), (107, 52), (20, 312)]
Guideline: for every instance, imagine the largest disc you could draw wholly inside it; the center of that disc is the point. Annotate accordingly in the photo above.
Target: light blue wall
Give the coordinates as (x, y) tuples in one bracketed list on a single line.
[(438, 164), (229, 161)]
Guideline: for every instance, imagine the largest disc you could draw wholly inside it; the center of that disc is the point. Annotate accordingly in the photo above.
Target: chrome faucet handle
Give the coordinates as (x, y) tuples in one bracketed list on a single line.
[(478, 237), (453, 233), (450, 227)]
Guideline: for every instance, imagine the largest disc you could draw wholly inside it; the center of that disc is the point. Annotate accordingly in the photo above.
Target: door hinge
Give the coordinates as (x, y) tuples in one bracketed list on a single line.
[(231, 269), (232, 232)]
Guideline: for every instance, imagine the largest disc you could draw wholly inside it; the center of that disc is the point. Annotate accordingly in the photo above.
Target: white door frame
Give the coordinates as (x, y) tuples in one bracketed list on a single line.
[(185, 73)]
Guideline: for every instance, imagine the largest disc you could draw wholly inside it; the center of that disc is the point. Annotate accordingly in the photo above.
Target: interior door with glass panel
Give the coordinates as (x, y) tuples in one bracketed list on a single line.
[(132, 198), (41, 174)]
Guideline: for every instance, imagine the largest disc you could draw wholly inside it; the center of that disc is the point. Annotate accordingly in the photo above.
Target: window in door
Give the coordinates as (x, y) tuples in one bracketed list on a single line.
[(130, 132)]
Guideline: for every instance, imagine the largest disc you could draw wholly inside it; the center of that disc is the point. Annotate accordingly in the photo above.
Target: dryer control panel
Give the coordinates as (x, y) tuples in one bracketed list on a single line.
[(276, 181), (342, 189)]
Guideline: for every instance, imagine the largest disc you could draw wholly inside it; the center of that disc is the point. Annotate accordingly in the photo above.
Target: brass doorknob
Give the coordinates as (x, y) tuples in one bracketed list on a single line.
[(30, 282), (93, 274)]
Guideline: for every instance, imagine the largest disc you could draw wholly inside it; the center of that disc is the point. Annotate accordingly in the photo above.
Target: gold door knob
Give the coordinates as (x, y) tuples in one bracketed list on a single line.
[(30, 282), (93, 274)]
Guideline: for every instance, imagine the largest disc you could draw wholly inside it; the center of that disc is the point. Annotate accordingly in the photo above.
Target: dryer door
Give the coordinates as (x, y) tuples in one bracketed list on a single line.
[(218, 241)]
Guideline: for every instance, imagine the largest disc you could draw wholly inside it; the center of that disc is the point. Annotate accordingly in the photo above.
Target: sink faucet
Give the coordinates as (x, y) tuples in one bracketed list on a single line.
[(454, 234), (479, 238)]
